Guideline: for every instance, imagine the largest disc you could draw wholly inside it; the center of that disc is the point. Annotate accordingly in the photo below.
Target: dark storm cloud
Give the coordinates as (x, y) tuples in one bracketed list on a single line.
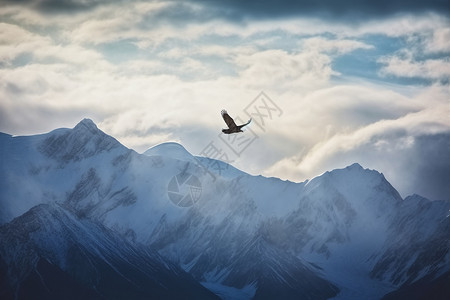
[(238, 9), (423, 168), (333, 8), (181, 13), (177, 12), (59, 6), (412, 164), (430, 166)]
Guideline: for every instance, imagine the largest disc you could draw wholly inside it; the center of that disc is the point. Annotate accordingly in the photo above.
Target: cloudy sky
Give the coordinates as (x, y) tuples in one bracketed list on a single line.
[(353, 81)]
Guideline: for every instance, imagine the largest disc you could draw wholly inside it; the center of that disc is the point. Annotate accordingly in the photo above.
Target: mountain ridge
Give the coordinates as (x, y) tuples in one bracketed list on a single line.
[(345, 221), (90, 256)]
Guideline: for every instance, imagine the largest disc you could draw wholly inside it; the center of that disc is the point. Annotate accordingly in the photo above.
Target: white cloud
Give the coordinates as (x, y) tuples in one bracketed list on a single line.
[(428, 116), (54, 71), (439, 41), (15, 41), (404, 64), (338, 46), (279, 70), (401, 25)]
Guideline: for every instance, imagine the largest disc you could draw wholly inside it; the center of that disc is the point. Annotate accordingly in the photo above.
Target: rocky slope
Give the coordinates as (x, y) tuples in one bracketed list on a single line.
[(49, 253)]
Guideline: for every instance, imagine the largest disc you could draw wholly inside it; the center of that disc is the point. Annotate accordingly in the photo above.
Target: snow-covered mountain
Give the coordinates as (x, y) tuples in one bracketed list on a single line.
[(346, 234), (49, 253)]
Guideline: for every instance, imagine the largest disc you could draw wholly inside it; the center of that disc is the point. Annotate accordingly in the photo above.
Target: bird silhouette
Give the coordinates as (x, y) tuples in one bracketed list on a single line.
[(232, 127)]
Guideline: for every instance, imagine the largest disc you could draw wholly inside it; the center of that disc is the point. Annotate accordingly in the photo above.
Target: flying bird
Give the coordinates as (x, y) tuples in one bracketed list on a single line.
[(232, 127)]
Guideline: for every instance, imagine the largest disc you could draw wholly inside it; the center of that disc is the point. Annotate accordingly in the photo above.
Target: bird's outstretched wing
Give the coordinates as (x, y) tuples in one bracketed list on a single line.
[(228, 120), (243, 125)]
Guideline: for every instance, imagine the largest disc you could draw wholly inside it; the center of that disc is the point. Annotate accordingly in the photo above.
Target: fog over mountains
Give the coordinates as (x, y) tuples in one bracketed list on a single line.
[(82, 216)]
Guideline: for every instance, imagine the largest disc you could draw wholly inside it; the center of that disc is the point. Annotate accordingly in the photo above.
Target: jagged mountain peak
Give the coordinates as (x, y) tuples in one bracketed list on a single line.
[(83, 141), (353, 169), (87, 124), (355, 166), (416, 197), (40, 213), (355, 181)]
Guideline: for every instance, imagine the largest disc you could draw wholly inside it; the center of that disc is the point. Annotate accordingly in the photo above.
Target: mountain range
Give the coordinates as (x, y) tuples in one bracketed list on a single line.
[(84, 217)]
